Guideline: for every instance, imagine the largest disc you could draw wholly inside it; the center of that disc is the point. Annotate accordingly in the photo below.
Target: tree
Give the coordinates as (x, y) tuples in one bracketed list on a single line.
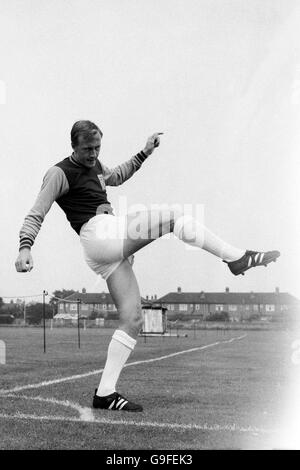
[(62, 294), (34, 313)]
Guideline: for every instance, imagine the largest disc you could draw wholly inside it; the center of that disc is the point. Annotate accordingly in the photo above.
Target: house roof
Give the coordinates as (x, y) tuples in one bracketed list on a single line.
[(229, 298), (197, 298), (91, 298)]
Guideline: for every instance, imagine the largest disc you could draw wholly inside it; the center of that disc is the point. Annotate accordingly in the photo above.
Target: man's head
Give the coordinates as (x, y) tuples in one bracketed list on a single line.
[(86, 142)]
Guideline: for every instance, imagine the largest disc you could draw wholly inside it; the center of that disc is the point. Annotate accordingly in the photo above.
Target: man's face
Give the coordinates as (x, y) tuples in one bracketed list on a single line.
[(87, 150)]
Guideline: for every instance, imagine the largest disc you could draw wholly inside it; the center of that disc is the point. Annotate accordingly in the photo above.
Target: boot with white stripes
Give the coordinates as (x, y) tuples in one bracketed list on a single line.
[(251, 259), (115, 401)]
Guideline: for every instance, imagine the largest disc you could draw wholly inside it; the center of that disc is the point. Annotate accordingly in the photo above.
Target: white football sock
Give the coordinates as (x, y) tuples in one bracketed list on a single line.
[(119, 350), (194, 233)]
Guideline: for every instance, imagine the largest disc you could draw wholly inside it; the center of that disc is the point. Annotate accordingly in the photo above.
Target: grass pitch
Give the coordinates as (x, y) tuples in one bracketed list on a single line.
[(210, 390)]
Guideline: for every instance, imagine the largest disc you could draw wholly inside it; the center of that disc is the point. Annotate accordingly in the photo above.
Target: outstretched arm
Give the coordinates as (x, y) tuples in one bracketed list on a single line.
[(54, 185), (121, 173)]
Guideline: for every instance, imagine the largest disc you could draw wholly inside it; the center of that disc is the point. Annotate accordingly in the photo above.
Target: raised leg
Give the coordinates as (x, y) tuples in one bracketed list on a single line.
[(145, 227)]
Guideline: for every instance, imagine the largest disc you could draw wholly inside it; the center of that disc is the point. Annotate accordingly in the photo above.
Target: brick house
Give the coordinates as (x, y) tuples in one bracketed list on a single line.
[(239, 305), (191, 305), (92, 305)]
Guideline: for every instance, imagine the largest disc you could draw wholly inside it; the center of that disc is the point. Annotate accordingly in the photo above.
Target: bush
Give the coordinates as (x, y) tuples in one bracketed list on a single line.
[(6, 318), (34, 313), (218, 316)]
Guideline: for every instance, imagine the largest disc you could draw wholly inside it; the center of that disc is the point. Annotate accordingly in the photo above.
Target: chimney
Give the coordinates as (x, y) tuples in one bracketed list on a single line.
[(155, 297), (227, 290), (83, 290), (277, 290), (179, 290), (147, 297)]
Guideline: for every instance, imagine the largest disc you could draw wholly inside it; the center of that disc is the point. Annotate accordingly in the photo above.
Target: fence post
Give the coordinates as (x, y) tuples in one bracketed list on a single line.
[(2, 352), (78, 322), (44, 318)]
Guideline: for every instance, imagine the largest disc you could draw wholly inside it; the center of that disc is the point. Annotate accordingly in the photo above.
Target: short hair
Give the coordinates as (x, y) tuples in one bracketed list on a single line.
[(85, 128)]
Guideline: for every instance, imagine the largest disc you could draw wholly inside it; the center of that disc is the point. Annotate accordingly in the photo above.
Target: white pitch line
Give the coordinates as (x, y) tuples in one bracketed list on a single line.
[(85, 413), (98, 371), (172, 426)]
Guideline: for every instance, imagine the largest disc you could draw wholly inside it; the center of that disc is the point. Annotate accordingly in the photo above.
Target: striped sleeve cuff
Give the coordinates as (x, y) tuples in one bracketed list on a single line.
[(25, 242), (141, 157)]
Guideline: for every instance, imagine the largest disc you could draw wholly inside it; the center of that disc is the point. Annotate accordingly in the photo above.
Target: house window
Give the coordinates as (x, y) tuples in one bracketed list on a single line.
[(104, 306), (219, 308), (84, 307), (73, 306), (283, 308), (247, 307), (270, 308), (61, 307), (232, 308), (183, 307), (197, 306), (255, 308), (171, 307)]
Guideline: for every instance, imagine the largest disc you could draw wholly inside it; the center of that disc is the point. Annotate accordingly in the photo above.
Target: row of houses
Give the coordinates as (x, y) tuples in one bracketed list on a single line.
[(237, 306)]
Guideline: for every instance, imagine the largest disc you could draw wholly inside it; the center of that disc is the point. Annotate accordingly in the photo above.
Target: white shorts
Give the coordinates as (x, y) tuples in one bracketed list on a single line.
[(102, 238)]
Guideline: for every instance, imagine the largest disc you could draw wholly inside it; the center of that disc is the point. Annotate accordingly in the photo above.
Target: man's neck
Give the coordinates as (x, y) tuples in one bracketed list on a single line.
[(73, 159)]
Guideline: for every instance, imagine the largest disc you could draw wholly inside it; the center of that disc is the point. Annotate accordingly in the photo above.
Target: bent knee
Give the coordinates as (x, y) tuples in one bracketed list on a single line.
[(176, 213), (168, 218)]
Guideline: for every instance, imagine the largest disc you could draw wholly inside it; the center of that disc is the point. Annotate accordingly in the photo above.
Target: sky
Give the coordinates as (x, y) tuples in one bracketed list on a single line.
[(220, 78)]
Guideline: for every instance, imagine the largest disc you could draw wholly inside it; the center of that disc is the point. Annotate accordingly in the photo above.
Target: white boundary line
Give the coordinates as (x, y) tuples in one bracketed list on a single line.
[(98, 371), (173, 426), (87, 415)]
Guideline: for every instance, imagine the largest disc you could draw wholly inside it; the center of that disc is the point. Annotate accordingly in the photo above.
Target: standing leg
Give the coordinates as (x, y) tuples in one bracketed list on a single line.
[(125, 293)]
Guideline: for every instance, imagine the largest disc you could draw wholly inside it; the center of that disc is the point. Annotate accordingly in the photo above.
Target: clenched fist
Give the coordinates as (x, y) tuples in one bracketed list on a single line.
[(24, 261)]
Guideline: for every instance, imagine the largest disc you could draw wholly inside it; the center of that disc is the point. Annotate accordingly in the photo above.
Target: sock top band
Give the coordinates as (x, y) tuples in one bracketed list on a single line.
[(124, 338)]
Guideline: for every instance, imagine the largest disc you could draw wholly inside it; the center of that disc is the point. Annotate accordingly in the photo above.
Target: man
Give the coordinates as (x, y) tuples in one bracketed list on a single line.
[(78, 184)]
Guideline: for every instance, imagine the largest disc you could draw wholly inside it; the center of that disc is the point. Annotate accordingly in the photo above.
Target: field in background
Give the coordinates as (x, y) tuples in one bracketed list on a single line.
[(229, 394)]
